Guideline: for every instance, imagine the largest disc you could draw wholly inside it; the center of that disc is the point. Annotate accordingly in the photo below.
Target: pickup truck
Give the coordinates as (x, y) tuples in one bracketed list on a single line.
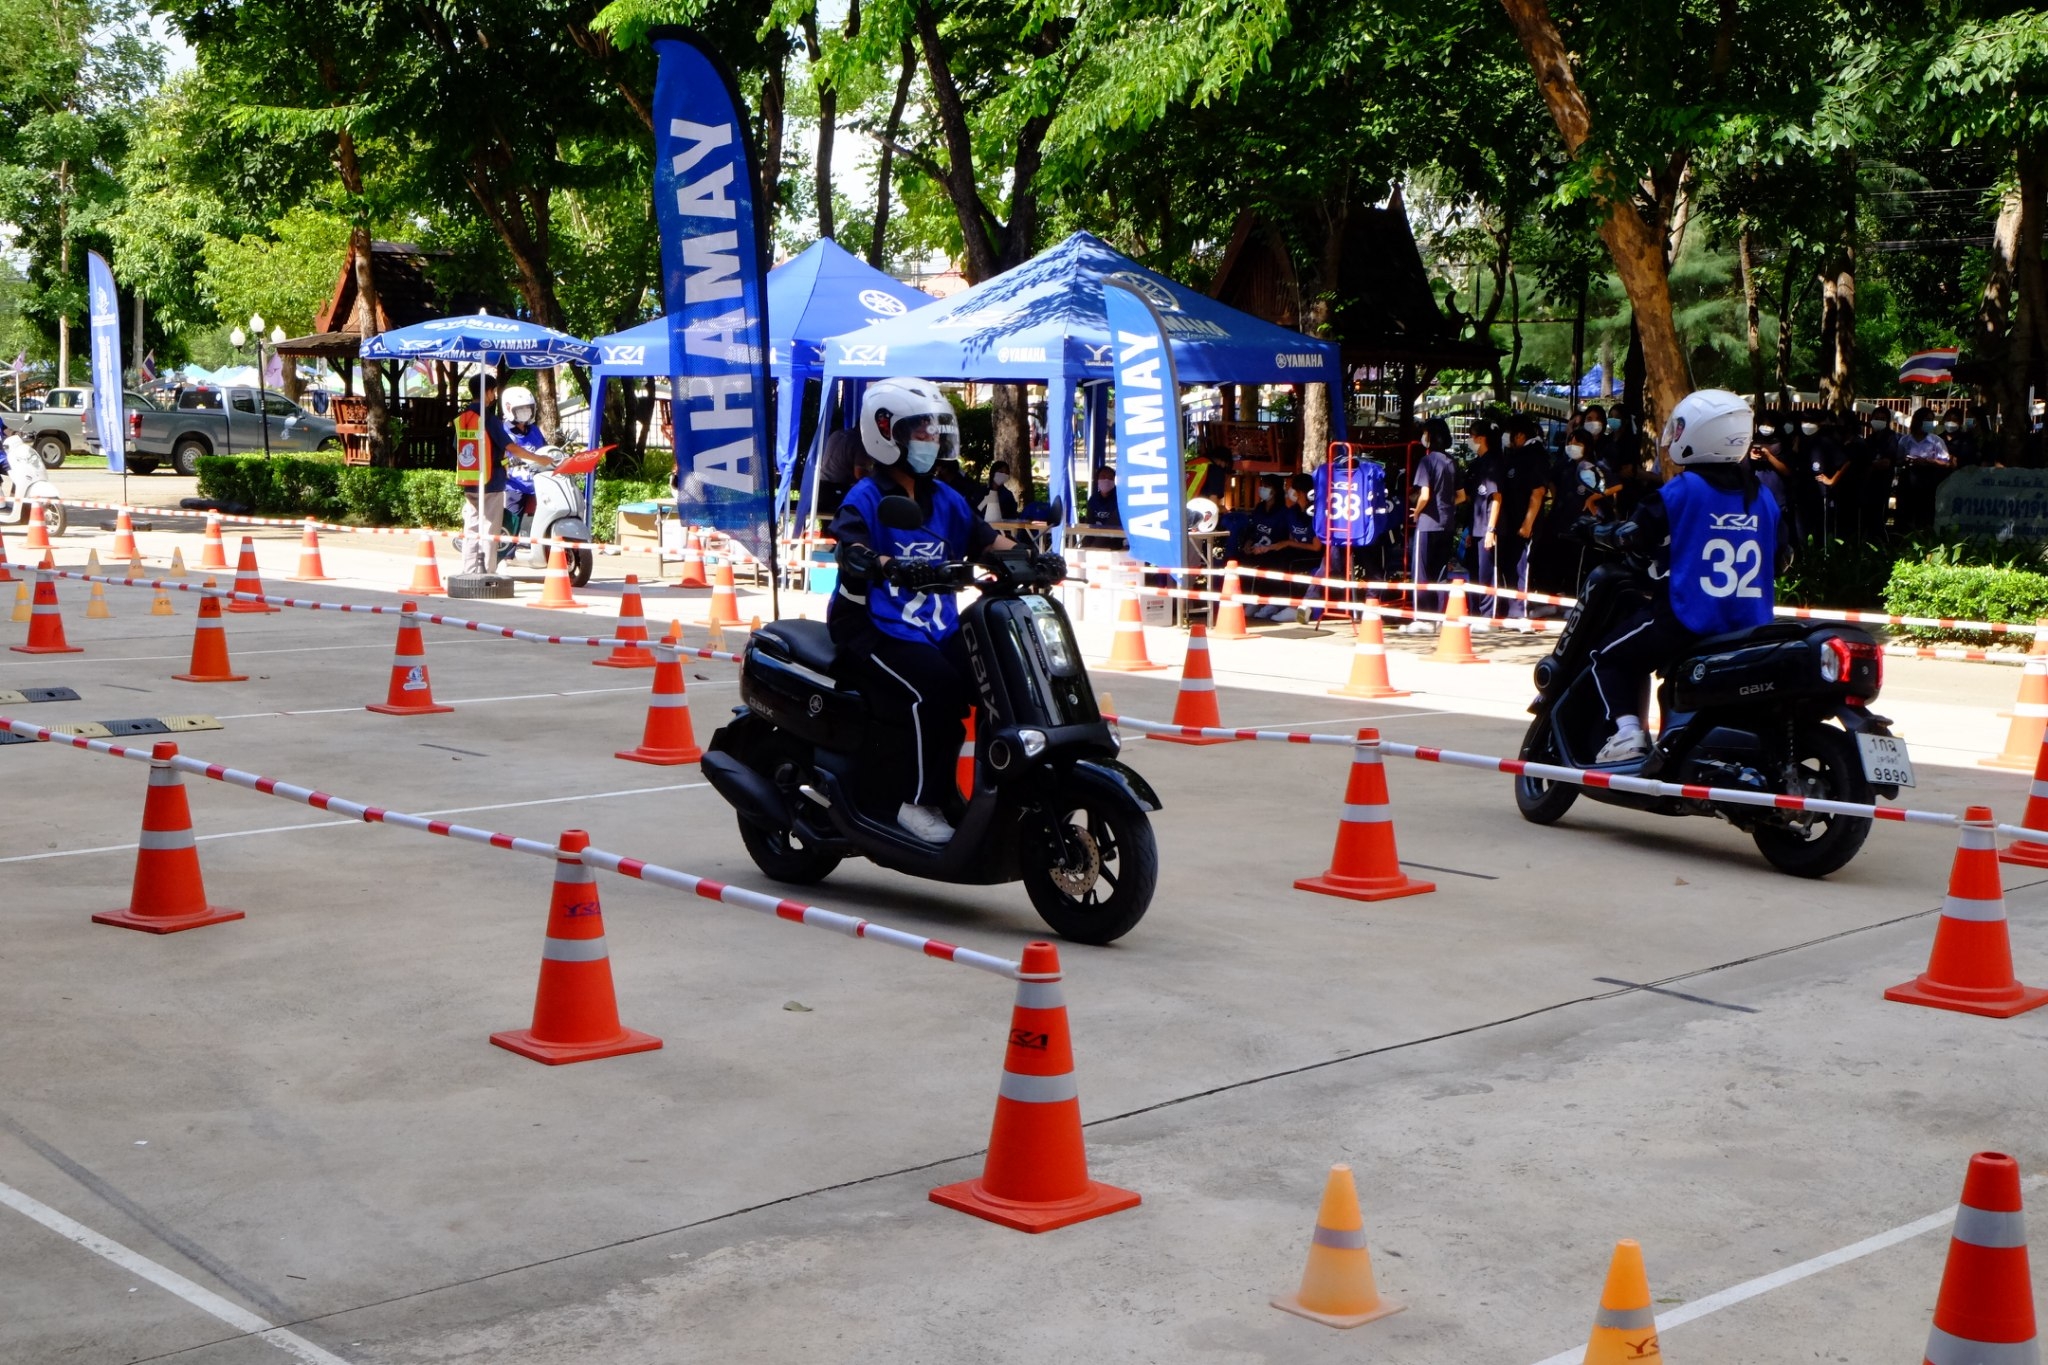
[(203, 420)]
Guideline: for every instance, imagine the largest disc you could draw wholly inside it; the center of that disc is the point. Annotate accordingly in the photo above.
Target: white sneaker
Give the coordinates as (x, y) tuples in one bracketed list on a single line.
[(925, 822), (1624, 746)]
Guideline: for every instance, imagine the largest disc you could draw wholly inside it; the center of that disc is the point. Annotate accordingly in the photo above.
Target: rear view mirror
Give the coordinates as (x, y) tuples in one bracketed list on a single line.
[(901, 513)]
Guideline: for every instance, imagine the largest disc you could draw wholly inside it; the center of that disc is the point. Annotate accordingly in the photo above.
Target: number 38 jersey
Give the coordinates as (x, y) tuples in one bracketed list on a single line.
[(1722, 554)]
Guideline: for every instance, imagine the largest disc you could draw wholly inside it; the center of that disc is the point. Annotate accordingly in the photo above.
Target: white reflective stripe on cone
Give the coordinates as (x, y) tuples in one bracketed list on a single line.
[(668, 700), (1040, 995), (1627, 1319), (1367, 815), (165, 840), (1944, 1349), (1990, 1227), (165, 776), (1955, 907), (2030, 708), (2038, 790), (573, 950), (1345, 1239), (1198, 684), (403, 660), (1979, 836), (1039, 1089), (577, 872)]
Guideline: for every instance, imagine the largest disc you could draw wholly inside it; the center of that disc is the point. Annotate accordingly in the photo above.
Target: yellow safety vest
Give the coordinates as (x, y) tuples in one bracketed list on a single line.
[(469, 448)]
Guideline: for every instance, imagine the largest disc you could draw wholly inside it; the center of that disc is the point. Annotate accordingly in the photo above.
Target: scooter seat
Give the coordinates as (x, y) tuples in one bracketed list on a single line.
[(808, 643), (1767, 633)]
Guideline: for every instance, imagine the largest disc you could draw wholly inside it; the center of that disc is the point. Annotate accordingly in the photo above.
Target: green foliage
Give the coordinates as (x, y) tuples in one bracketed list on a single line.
[(604, 512), (285, 272), (1965, 592)]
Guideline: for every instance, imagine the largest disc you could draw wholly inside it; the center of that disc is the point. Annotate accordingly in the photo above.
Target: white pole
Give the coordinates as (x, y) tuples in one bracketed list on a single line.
[(483, 470)]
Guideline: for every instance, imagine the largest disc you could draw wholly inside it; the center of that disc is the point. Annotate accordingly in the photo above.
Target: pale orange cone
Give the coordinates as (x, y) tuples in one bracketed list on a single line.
[(210, 645), (1369, 659), (1127, 647), (38, 529), (23, 609), (213, 554), (311, 570), (1625, 1328), (2029, 717), (46, 619), (249, 581), (554, 588), (1454, 638), (124, 538), (1337, 1287), (2033, 852), (693, 563), (632, 628), (963, 769), (411, 692), (96, 604), (177, 561), (160, 605), (169, 894), (1230, 622), (725, 603), (668, 738), (1035, 1177), (1366, 866), (1970, 969), (1195, 705), (426, 568)]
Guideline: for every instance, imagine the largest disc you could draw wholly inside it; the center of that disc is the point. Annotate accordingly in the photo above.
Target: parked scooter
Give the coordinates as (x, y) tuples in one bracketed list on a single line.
[(544, 502), (28, 479), (1051, 804)]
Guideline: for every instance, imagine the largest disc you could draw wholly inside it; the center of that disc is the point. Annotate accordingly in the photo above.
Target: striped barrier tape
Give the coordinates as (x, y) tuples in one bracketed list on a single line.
[(1532, 626), (794, 911)]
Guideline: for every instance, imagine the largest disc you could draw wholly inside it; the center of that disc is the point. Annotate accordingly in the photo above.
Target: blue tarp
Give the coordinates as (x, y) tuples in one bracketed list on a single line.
[(481, 338)]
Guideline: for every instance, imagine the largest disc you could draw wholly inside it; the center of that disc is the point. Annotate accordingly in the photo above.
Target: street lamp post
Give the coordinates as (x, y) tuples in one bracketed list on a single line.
[(237, 339), (262, 399)]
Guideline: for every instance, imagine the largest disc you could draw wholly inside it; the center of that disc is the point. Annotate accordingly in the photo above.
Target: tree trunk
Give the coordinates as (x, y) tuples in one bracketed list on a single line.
[(1514, 327), (1632, 379), (1838, 308), (886, 163), (1636, 246), (828, 118), (774, 101), (1316, 423), (1785, 329), (1745, 254), (2011, 315), (1483, 328), (1579, 336), (980, 254), (1013, 433), (376, 415)]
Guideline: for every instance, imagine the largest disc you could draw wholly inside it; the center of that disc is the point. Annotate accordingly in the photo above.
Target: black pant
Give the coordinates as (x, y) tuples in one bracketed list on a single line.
[(1641, 642), (920, 687), (1432, 550), (1284, 561)]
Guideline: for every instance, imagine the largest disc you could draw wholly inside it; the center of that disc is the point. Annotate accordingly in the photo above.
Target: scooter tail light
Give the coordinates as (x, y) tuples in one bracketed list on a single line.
[(1834, 659)]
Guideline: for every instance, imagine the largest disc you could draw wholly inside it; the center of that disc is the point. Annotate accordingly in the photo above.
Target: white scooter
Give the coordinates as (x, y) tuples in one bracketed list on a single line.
[(28, 478), (557, 509)]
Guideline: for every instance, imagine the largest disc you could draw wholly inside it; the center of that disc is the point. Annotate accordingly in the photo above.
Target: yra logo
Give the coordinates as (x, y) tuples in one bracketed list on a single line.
[(851, 353), (882, 302), (1735, 521), (1099, 355), (625, 355)]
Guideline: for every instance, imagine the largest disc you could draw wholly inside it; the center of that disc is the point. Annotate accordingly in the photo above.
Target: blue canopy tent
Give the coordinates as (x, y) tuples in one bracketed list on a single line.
[(1043, 323), (821, 292)]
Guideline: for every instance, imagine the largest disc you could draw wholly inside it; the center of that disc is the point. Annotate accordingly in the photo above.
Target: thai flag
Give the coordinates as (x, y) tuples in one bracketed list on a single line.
[(20, 365), (149, 367), (1930, 367)]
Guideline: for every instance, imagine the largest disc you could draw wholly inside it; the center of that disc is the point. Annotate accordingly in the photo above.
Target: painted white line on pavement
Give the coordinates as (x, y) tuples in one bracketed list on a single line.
[(200, 1297), (179, 658), (332, 824)]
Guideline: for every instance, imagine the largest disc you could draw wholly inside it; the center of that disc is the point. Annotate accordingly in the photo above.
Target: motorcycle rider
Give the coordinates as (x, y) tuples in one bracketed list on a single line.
[(1720, 537), (522, 417), (898, 643)]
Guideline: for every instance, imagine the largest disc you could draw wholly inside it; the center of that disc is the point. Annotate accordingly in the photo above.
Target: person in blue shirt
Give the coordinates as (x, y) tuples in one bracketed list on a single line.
[(482, 506), (1280, 537), (1719, 534), (1435, 482), (898, 643)]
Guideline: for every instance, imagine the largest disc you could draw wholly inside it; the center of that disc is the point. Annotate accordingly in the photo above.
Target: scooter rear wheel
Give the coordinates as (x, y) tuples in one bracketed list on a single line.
[(1090, 869), (54, 518), (783, 858), (580, 564), (1826, 764)]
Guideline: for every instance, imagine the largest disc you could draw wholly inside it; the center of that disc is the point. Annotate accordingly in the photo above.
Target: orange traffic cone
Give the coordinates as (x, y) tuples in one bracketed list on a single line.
[(1127, 647), (426, 569), (5, 577), (311, 570), (554, 587), (38, 529), (46, 619), (168, 893), (1369, 659), (575, 1013), (1230, 622), (249, 581), (693, 563), (1195, 705), (1970, 968), (1454, 639), (214, 553), (210, 645), (124, 538), (1985, 1311), (1365, 866), (96, 604), (2033, 852), (668, 738), (632, 628), (1625, 1328), (963, 769), (1036, 1176), (1337, 1288), (2029, 717), (411, 692), (725, 603)]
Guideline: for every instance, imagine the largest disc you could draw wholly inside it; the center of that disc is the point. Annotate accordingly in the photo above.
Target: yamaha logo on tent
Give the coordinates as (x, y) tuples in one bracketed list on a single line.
[(1159, 295), (882, 302)]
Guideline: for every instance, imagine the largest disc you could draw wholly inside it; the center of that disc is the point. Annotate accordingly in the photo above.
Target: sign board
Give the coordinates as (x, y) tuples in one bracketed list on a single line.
[(2011, 504)]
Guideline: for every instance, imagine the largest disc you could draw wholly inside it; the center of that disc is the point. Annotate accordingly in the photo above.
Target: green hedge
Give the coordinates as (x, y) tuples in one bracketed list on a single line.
[(1967, 592)]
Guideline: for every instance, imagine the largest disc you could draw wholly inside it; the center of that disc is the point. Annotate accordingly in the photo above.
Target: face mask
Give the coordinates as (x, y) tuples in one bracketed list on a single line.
[(1766, 429), (1573, 452), (999, 480), (1589, 477), (922, 455), (1809, 429), (1922, 428), (1951, 427), (1105, 486), (1595, 427), (1265, 495)]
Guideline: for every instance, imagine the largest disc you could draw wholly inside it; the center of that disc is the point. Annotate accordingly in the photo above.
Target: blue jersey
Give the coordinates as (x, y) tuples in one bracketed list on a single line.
[(948, 534), (1722, 555), (1351, 501)]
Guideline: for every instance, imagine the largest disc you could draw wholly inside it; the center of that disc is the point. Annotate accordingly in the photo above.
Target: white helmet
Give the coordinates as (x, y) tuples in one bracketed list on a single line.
[(518, 405), (905, 403), (1711, 426)]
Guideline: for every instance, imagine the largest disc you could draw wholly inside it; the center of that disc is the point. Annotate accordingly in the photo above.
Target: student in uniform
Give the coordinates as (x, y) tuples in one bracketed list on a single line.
[(1435, 487)]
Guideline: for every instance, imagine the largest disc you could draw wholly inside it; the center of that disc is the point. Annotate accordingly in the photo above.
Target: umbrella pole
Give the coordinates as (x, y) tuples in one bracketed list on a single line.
[(488, 534)]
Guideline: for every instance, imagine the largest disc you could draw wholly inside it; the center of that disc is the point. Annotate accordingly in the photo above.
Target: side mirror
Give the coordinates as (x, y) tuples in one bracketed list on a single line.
[(901, 513)]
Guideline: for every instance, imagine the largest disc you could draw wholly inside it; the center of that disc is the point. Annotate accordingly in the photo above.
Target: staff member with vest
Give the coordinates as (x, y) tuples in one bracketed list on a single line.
[(480, 444)]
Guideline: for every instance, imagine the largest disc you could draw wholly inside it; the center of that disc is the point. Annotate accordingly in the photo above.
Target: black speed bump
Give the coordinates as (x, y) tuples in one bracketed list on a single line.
[(48, 694), (141, 725)]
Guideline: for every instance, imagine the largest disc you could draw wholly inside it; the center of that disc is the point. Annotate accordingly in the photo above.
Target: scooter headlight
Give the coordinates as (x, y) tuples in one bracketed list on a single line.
[(1033, 742), (1052, 638)]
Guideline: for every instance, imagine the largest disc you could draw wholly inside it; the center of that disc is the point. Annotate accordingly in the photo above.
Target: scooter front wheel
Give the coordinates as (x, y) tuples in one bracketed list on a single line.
[(783, 857), (1090, 865), (55, 518), (1541, 802), (581, 562)]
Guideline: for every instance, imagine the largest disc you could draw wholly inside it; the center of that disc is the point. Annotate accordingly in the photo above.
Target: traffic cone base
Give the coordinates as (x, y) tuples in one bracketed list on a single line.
[(1970, 967), (1992, 1004), (971, 1196), (158, 924), (1292, 1303), (523, 1042), (1364, 888), (1337, 1287)]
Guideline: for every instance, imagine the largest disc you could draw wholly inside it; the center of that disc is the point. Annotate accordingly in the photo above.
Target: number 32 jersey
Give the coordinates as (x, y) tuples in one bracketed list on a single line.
[(1722, 554)]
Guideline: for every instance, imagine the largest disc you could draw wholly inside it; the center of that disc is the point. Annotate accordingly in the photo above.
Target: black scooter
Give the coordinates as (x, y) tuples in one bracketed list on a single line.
[(1780, 708), (1051, 806)]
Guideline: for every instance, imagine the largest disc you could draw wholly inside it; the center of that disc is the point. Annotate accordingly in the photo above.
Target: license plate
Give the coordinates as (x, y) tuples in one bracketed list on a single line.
[(1885, 760)]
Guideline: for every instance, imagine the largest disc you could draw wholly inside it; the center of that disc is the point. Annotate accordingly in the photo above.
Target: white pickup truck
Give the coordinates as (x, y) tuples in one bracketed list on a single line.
[(205, 420)]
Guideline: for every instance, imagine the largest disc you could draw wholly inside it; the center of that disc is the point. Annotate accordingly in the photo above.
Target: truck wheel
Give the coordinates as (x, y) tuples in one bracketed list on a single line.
[(53, 449), (185, 455), (142, 464)]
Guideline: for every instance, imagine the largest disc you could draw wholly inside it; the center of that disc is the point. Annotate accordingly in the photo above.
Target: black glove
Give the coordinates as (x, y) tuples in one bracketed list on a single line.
[(857, 560), (915, 575), (1051, 568)]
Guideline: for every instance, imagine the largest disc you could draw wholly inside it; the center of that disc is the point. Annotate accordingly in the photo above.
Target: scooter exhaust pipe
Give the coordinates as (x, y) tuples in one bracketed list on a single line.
[(749, 793)]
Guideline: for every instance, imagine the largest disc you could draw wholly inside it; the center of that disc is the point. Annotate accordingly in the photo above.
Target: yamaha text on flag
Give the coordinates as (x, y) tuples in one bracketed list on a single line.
[(105, 313), (1148, 447), (713, 269)]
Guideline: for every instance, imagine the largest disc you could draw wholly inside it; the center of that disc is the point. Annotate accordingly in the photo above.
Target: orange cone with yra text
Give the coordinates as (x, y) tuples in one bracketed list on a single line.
[(46, 619), (38, 529), (693, 563), (575, 1012), (169, 894), (1036, 1176), (1337, 1288), (1369, 659), (426, 569), (1454, 639), (668, 738), (725, 603), (249, 582), (554, 586), (213, 553), (1984, 1314), (1970, 968), (632, 629), (210, 645), (124, 538), (1127, 647), (1366, 866), (311, 570), (1230, 622), (1625, 1328), (411, 692), (1195, 706), (2033, 852), (963, 768), (2029, 716)]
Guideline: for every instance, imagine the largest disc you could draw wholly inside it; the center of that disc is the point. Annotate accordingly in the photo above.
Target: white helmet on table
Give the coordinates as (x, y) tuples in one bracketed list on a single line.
[(518, 405), (1709, 426), (892, 409)]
